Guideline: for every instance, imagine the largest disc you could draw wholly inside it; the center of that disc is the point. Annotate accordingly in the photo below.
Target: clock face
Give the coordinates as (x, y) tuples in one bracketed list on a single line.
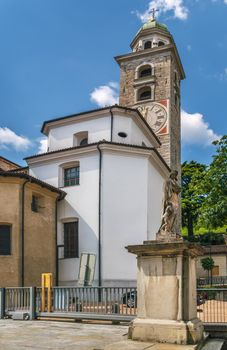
[(155, 115)]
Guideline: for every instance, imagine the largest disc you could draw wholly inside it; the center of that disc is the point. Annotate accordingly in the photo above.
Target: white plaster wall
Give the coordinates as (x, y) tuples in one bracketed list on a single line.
[(62, 137), (154, 201), (98, 129), (135, 135), (80, 203), (124, 208)]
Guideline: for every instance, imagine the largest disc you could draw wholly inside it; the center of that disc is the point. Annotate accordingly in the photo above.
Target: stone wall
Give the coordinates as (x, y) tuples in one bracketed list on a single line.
[(164, 70)]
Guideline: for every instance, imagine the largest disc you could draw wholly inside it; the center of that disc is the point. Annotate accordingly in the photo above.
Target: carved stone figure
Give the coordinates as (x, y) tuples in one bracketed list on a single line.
[(170, 208)]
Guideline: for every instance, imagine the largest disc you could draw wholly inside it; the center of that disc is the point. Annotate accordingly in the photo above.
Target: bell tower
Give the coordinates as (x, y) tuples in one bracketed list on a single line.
[(150, 81)]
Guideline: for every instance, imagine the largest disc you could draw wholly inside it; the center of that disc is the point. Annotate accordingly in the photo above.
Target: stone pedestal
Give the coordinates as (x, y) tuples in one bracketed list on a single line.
[(166, 293)]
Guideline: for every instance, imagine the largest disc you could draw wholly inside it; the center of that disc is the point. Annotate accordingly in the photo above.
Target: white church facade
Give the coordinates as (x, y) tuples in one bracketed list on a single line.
[(113, 179), (112, 163)]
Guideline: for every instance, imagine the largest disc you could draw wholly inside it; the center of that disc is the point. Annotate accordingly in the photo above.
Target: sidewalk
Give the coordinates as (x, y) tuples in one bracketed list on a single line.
[(39, 335)]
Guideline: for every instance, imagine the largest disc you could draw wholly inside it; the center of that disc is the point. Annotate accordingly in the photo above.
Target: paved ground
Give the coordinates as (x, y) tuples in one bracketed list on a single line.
[(18, 335)]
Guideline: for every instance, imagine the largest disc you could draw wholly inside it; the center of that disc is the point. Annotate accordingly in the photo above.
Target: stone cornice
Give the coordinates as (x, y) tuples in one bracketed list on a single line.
[(155, 248), (60, 155), (157, 50)]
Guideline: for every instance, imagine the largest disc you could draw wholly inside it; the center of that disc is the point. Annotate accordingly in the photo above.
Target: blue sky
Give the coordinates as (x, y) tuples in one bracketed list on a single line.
[(57, 59)]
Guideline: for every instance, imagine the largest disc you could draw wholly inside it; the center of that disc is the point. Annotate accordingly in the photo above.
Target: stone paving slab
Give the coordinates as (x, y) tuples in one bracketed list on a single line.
[(46, 335), (38, 335)]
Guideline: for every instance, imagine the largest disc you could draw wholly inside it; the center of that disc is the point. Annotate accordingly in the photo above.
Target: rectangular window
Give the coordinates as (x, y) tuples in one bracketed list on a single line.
[(72, 176), (71, 241), (35, 203), (5, 244)]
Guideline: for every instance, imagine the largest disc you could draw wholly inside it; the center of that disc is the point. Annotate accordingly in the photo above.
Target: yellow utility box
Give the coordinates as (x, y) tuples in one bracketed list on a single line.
[(47, 284)]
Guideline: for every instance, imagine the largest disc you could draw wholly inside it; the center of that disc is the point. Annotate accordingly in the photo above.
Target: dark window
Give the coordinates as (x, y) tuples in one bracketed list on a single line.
[(84, 141), (145, 94), (71, 240), (147, 45), (161, 43), (5, 244), (35, 204), (122, 134), (72, 176), (145, 72)]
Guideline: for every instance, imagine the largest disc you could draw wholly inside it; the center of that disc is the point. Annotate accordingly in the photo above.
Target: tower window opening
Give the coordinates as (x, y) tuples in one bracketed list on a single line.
[(144, 94), (84, 141), (145, 72), (147, 45), (161, 43)]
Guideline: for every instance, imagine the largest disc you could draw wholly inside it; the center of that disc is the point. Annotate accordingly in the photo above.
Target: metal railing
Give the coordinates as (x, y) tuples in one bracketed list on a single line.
[(17, 299), (109, 303), (212, 307), (214, 280), (96, 300)]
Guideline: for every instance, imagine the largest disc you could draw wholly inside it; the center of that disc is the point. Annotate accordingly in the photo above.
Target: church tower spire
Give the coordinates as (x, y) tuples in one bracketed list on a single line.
[(150, 81)]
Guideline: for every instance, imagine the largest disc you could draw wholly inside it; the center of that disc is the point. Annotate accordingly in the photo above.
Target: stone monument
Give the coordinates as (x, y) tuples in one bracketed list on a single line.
[(166, 281)]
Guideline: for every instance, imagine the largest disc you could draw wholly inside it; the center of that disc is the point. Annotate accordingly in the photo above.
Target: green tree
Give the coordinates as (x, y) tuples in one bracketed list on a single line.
[(207, 264), (213, 188), (192, 199)]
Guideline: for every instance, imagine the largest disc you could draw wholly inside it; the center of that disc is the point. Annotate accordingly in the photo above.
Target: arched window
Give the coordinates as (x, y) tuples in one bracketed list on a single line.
[(144, 93), (161, 43), (147, 45), (80, 139), (145, 71), (84, 141)]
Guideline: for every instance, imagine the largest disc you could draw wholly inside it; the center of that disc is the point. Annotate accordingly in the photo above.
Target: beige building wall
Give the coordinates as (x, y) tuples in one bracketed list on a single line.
[(220, 260), (39, 243), (7, 165), (39, 232), (10, 265)]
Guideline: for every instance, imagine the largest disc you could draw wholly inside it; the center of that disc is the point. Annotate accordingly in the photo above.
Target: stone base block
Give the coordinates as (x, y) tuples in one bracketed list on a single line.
[(166, 331)]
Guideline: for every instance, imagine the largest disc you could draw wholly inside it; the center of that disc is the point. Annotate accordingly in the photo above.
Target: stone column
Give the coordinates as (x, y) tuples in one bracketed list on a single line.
[(166, 293)]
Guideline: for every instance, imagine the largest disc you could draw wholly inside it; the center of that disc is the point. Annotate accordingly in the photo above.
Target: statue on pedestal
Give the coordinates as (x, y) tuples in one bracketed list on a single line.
[(170, 209)]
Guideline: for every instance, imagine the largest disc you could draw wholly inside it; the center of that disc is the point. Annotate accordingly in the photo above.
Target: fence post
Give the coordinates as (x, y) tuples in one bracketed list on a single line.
[(2, 302), (32, 310)]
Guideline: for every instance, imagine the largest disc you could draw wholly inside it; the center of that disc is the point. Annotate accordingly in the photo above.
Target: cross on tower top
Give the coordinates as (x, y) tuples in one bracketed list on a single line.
[(153, 11)]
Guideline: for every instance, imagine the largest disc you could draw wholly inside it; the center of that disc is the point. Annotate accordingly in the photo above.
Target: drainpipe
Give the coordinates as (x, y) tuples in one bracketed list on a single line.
[(111, 125), (22, 232), (99, 220), (56, 239)]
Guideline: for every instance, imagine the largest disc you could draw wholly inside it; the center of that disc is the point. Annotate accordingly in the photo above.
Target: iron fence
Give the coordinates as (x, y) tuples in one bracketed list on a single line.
[(214, 280), (17, 299), (98, 300), (109, 303)]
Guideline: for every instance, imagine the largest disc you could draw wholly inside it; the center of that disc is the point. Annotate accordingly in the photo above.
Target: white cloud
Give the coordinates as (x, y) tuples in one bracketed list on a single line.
[(42, 145), (176, 6), (225, 2), (194, 130), (223, 75), (105, 95), (9, 138), (189, 48)]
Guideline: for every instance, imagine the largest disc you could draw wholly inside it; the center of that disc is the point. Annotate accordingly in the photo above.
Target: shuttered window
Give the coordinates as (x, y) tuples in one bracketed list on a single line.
[(71, 241), (5, 244)]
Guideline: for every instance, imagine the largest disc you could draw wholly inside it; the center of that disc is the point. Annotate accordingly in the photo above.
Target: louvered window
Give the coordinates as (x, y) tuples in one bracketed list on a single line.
[(71, 241)]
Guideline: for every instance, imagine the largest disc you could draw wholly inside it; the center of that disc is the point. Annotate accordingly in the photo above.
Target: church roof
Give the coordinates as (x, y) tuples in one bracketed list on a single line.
[(152, 23), (112, 108), (103, 142), (32, 179)]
